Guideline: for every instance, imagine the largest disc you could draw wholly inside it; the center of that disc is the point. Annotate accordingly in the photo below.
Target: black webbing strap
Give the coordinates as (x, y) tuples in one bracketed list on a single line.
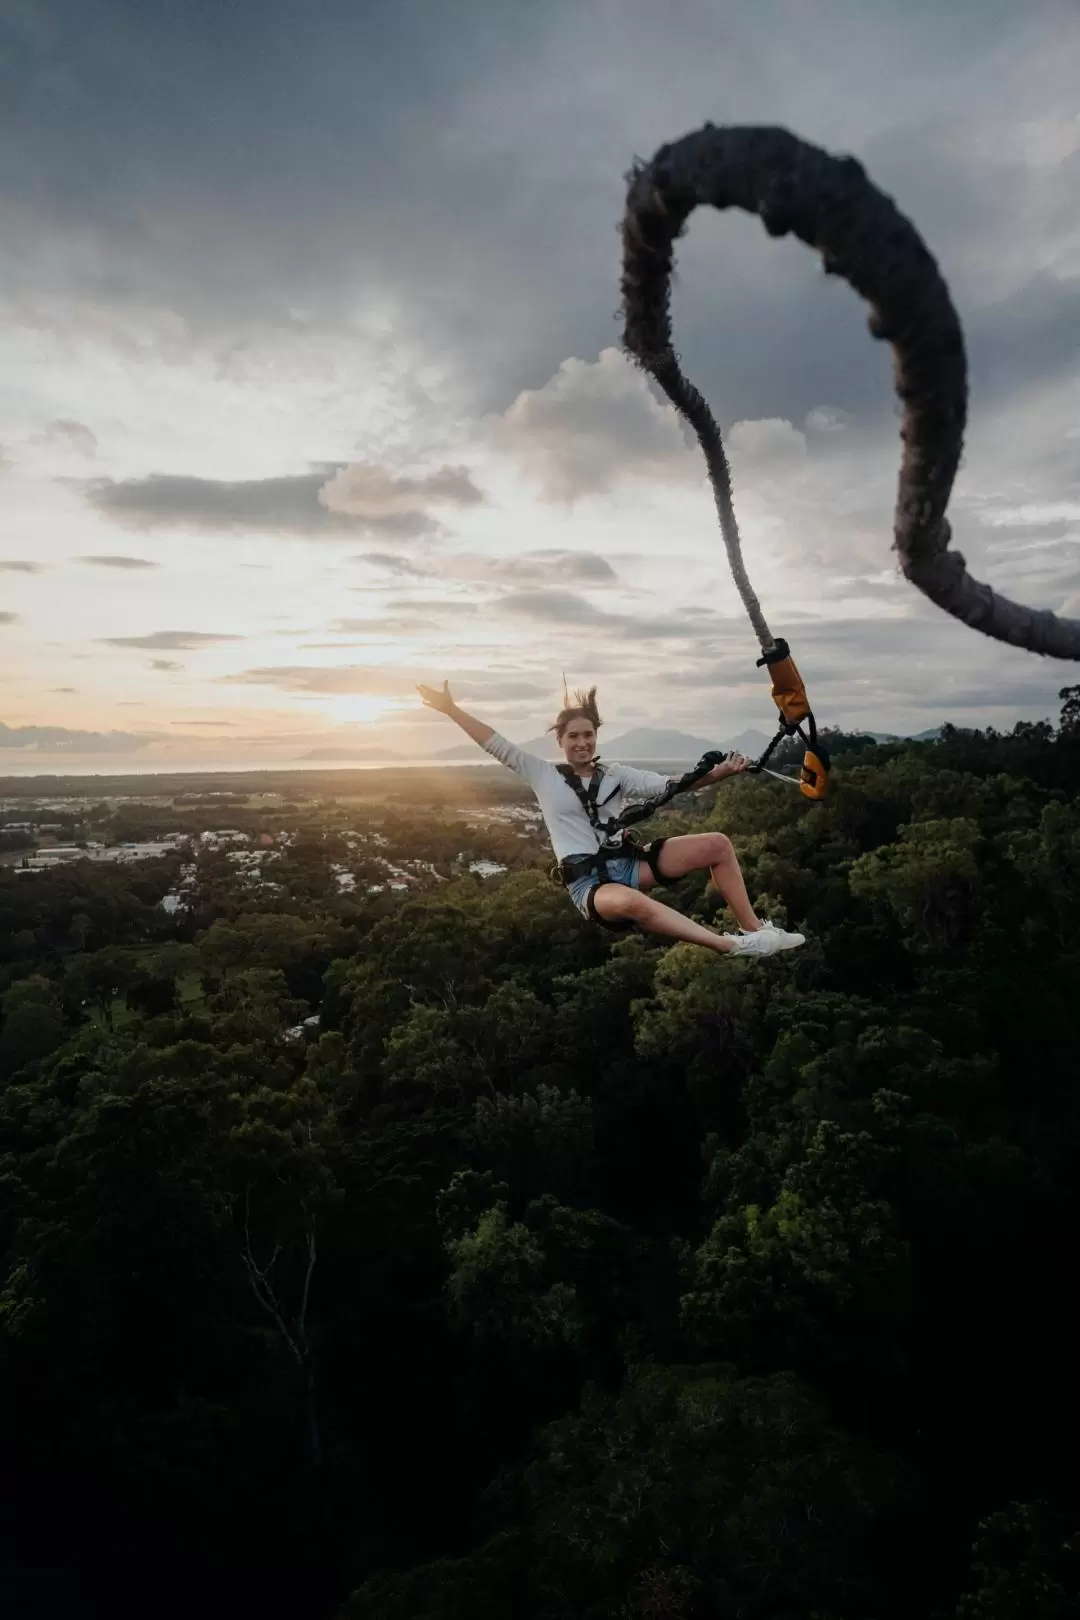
[(576, 866), (588, 796), (682, 784), (810, 742)]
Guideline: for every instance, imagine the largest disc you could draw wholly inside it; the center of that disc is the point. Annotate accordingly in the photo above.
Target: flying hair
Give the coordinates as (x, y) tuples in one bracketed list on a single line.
[(582, 707)]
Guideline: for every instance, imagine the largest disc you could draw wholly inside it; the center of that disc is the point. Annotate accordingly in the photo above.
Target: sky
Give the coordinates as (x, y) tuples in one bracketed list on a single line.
[(311, 387)]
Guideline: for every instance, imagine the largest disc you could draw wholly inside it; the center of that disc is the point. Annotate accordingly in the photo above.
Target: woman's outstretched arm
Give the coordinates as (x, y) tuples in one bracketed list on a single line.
[(444, 703), (507, 753)]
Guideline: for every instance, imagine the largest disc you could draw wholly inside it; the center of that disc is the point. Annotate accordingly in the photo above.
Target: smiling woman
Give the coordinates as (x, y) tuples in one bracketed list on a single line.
[(605, 871)]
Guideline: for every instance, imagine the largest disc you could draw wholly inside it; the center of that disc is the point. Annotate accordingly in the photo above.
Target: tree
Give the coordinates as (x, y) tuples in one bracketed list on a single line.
[(708, 1493), (31, 1024), (1025, 1565), (1070, 710), (929, 880)]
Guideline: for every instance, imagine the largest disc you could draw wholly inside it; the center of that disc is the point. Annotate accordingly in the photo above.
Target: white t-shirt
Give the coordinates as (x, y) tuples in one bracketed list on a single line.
[(569, 828)]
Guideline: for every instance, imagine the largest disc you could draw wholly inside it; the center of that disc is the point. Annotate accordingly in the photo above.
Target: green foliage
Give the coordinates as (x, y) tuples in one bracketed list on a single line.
[(928, 880), (720, 1494), (549, 1273), (31, 1024), (1025, 1566), (496, 1284)]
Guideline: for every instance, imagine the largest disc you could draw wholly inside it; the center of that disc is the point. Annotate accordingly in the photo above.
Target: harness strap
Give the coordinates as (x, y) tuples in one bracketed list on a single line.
[(649, 807), (589, 797), (573, 867)]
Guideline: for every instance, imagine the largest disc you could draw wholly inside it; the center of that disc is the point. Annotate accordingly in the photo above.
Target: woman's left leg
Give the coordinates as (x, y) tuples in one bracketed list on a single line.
[(696, 852)]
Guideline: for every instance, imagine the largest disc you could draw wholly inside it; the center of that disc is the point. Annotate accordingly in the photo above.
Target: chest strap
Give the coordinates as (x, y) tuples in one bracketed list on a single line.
[(589, 797)]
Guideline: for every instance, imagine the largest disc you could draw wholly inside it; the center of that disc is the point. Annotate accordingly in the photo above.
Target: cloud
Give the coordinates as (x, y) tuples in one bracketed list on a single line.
[(529, 567), (74, 436), (552, 607), (371, 493), (881, 673), (391, 564), (62, 689), (481, 250), (165, 663), (109, 561), (501, 690), (559, 607), (20, 567), (510, 151), (434, 605), (60, 740), (9, 618), (202, 722), (332, 502), (171, 640), (394, 626), (774, 439), (591, 426), (353, 679)]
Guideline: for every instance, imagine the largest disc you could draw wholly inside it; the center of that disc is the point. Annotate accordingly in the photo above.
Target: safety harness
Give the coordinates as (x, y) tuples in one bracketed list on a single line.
[(615, 841), (618, 840)]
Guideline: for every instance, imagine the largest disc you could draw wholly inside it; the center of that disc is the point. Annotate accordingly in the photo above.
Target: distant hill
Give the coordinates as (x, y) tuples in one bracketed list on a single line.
[(646, 742), (542, 747), (749, 742), (896, 736), (345, 756), (641, 743)]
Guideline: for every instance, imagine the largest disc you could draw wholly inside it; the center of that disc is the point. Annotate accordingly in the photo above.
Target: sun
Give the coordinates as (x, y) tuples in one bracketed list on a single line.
[(351, 708)]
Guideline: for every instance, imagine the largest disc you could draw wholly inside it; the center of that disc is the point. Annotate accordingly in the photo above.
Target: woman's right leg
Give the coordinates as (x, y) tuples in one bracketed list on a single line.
[(620, 903)]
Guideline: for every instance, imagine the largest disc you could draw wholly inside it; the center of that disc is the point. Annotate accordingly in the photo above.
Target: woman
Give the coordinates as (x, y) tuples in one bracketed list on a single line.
[(578, 797)]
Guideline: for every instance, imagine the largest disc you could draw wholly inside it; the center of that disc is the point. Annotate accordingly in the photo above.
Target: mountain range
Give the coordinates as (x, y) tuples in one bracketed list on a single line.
[(640, 744), (345, 756)]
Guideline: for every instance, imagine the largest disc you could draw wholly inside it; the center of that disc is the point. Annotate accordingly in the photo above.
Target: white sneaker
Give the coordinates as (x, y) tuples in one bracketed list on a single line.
[(765, 942)]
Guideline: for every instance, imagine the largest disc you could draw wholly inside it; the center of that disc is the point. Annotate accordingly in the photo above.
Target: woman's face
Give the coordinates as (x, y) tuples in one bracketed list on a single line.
[(579, 742)]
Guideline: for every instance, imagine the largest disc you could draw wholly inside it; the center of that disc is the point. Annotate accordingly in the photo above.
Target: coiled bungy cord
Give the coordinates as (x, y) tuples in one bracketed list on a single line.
[(831, 205)]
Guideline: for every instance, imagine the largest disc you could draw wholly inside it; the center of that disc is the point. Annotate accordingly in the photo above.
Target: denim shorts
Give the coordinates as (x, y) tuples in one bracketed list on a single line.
[(622, 870)]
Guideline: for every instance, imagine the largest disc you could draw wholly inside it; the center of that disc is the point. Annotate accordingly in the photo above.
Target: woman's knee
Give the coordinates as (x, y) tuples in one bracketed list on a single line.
[(721, 849), (619, 900)]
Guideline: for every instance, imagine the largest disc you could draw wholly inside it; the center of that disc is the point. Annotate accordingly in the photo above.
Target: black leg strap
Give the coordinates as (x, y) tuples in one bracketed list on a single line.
[(651, 853), (618, 925)]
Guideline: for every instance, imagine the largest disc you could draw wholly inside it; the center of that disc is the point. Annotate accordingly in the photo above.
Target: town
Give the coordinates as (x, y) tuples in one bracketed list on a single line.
[(369, 845)]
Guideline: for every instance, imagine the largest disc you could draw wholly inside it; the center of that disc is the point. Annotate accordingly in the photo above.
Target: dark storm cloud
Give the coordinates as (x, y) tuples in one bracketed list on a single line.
[(469, 161)]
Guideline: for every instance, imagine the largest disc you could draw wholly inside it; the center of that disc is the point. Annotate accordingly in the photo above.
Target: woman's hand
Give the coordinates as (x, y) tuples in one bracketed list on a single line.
[(732, 766), (434, 699)]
